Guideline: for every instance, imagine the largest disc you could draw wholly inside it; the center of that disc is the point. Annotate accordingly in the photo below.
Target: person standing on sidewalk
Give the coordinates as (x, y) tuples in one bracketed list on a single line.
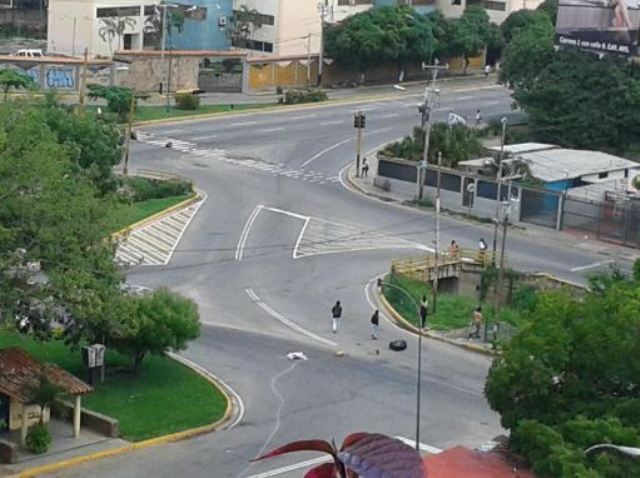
[(375, 322), (424, 304), (476, 323), (336, 313), (487, 70), (478, 117), (365, 168)]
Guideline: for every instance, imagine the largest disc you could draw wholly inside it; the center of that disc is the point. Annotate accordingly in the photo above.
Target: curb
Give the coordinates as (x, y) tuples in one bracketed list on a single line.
[(172, 437), (181, 205), (405, 324)]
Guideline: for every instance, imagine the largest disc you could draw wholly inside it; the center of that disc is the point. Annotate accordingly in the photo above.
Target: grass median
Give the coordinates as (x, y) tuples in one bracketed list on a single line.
[(150, 113), (166, 397), (452, 311), (128, 214)]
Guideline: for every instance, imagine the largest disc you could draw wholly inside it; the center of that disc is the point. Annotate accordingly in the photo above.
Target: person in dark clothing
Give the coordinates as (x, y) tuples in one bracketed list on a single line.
[(365, 168), (336, 313), (424, 304), (375, 322)]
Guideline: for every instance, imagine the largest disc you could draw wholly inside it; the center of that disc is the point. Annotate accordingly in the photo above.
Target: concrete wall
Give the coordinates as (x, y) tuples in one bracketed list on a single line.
[(32, 412), (146, 72), (95, 421), (8, 452), (63, 77), (269, 75)]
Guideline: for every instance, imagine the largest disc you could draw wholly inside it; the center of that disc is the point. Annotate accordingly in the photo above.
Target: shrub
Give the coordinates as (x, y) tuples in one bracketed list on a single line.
[(294, 97), (279, 90), (38, 439), (525, 299), (144, 188), (535, 441), (187, 101)]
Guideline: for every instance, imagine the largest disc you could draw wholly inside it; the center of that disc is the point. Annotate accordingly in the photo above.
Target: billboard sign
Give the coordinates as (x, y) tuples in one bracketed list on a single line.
[(601, 26)]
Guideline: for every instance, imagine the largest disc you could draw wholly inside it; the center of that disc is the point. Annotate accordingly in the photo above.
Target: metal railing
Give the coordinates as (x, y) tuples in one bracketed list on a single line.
[(448, 265)]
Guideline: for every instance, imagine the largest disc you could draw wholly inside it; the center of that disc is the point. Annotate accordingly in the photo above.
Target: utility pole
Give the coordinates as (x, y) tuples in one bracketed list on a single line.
[(83, 86), (132, 107), (168, 108), (308, 60), (429, 100), (323, 12), (73, 38), (437, 248), (163, 44), (496, 324), (503, 120), (359, 122)]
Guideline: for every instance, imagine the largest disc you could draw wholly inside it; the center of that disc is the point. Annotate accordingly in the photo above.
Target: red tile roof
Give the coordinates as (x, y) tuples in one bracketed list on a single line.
[(460, 462), (19, 371)]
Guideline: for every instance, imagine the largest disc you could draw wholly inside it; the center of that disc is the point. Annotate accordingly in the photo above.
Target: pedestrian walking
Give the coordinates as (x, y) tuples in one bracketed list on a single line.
[(375, 322), (482, 252), (365, 168), (476, 323), (336, 314), (424, 304), (454, 250), (478, 117), (487, 70)]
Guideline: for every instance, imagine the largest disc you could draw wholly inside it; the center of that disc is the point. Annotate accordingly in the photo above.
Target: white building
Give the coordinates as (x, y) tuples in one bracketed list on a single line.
[(498, 10), (78, 24), (338, 10), (289, 27)]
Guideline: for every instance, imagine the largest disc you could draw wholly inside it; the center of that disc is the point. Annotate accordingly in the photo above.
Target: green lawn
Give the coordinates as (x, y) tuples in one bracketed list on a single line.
[(146, 112), (452, 311), (126, 215), (166, 398)]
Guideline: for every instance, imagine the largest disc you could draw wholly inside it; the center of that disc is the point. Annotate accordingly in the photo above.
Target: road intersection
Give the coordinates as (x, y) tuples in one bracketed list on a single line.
[(277, 242)]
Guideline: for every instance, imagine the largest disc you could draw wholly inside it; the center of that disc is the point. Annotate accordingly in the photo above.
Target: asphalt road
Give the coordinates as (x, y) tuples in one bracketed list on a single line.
[(278, 240)]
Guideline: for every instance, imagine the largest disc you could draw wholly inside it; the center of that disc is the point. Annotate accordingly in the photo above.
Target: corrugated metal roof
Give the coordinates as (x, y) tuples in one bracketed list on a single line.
[(19, 371)]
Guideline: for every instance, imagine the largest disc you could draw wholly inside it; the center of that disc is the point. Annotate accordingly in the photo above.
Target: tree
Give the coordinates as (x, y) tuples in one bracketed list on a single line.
[(550, 7), (155, 324), (361, 454), (50, 212), (572, 376), (114, 27), (118, 99), (528, 50), (468, 35), (521, 20), (583, 102), (244, 22), (387, 34), (13, 79)]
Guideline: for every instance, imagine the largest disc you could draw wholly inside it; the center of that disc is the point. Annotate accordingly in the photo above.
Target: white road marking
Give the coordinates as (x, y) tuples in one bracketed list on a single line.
[(378, 131), (465, 98), (327, 123), (296, 118), (245, 231), (423, 446), (295, 466), (592, 266), (244, 123), (269, 130), (326, 150), (287, 213), (201, 138), (292, 325), (392, 115), (302, 231)]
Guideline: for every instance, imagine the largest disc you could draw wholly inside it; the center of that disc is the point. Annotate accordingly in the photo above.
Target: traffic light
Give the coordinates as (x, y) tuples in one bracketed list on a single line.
[(359, 121)]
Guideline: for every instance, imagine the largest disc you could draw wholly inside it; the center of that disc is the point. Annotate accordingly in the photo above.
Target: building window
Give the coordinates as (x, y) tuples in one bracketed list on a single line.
[(603, 175), (259, 18), (491, 5), (346, 3), (263, 46), (118, 12), (150, 10)]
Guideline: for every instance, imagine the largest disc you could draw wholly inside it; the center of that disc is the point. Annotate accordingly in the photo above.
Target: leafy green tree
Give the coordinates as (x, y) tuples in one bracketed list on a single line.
[(13, 79), (155, 324), (550, 7), (521, 20), (382, 35), (570, 380), (118, 99), (528, 51), (583, 102), (470, 34), (50, 212)]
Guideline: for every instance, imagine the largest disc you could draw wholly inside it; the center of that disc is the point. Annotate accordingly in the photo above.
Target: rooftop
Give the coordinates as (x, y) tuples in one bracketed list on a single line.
[(461, 462), (558, 164), (522, 148), (19, 371)]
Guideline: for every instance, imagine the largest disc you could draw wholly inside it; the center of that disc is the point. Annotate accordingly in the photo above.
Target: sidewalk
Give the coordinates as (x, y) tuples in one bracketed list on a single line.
[(366, 187)]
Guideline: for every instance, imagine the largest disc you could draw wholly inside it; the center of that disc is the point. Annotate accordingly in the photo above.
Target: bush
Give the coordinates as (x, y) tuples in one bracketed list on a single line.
[(144, 188), (535, 441), (279, 90), (187, 101), (294, 97), (525, 299), (38, 439)]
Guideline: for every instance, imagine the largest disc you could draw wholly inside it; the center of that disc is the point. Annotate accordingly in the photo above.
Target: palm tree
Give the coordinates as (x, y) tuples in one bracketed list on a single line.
[(114, 27), (45, 394)]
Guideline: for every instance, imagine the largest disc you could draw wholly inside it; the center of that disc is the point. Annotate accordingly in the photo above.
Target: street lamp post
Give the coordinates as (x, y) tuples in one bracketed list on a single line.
[(503, 120), (625, 450), (419, 384)]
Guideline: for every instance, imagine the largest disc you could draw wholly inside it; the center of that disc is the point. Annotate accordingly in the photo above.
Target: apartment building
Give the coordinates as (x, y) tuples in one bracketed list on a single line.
[(289, 27), (210, 32), (338, 10), (498, 10), (78, 24), (420, 6)]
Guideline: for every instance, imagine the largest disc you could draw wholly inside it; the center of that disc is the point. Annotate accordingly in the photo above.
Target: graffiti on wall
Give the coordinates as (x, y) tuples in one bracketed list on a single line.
[(61, 78)]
